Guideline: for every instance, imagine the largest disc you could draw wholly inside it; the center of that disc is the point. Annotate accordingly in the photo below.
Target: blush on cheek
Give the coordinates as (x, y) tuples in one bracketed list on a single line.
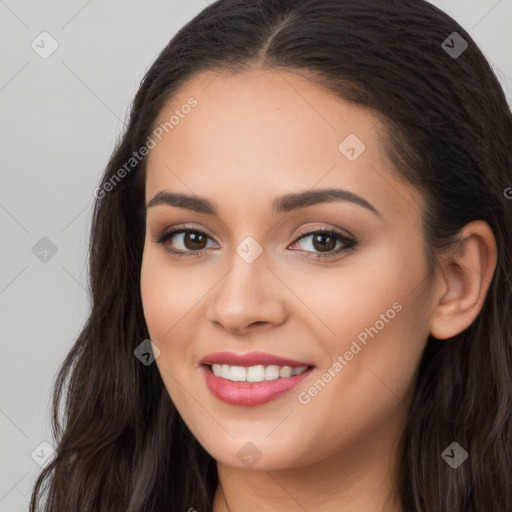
[(157, 305), (165, 311)]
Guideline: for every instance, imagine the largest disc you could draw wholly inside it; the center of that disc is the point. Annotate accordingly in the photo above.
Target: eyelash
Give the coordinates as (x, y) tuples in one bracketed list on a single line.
[(349, 243)]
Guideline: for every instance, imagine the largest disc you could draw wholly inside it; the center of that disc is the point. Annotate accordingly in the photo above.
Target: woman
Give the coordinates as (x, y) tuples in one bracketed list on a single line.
[(299, 271)]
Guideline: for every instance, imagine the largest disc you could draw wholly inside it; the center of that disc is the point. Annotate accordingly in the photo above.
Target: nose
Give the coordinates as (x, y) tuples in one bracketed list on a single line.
[(248, 295)]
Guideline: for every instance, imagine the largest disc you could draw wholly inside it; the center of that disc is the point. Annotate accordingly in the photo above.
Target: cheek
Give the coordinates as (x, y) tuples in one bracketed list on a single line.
[(364, 389), (167, 297), (168, 294), (377, 317), (367, 289), (158, 302)]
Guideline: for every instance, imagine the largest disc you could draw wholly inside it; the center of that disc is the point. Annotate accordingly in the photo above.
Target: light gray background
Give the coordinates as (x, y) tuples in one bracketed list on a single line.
[(60, 118)]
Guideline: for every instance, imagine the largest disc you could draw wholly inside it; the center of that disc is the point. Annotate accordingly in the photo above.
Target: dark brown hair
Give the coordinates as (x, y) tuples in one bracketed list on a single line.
[(121, 445)]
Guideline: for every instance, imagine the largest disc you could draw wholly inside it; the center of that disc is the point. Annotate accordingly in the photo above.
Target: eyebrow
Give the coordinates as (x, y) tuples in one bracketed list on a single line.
[(283, 204)]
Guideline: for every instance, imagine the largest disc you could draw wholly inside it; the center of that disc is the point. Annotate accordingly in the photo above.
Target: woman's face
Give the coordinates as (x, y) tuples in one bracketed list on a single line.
[(354, 307)]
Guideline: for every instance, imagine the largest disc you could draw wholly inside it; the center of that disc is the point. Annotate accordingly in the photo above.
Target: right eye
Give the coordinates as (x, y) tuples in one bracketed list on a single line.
[(193, 242)]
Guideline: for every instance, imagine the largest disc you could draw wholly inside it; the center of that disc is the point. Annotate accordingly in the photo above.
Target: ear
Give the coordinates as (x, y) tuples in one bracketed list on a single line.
[(464, 280)]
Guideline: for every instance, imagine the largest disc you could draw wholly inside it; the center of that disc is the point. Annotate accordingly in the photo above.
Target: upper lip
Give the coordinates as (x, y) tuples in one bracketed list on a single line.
[(251, 359)]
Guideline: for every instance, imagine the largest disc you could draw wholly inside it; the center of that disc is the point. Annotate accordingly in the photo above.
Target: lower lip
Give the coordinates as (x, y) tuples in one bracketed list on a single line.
[(250, 393)]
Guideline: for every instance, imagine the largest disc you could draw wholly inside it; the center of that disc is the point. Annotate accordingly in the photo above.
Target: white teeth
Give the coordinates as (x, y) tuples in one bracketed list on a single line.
[(257, 373), (238, 373), (285, 371), (225, 371), (272, 372)]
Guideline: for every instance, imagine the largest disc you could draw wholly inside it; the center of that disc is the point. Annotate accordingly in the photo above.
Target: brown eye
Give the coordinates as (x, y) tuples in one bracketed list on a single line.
[(190, 242), (322, 243), (194, 240)]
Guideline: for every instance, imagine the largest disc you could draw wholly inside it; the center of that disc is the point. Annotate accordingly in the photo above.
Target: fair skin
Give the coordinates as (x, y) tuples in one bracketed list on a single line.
[(252, 138)]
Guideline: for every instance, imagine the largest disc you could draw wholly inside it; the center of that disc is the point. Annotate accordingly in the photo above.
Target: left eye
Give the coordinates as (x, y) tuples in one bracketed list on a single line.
[(325, 241)]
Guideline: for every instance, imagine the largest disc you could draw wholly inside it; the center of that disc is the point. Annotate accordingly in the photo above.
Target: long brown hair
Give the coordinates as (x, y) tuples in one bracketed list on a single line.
[(121, 444)]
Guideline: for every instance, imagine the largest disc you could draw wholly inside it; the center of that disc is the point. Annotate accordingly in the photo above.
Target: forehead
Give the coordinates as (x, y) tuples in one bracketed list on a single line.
[(264, 133)]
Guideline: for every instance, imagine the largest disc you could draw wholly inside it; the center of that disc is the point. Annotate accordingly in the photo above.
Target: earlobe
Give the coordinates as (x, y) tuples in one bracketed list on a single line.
[(466, 275)]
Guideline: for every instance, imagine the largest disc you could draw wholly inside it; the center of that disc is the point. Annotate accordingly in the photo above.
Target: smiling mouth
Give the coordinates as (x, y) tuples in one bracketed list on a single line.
[(249, 386), (258, 373)]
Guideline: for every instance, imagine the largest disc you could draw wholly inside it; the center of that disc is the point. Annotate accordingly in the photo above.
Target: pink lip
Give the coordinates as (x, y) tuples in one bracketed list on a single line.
[(250, 393), (250, 359)]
